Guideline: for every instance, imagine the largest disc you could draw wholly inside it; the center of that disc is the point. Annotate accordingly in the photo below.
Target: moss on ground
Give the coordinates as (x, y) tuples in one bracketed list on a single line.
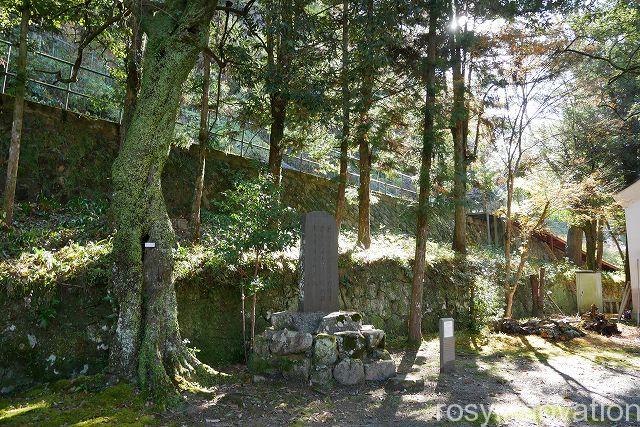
[(83, 401)]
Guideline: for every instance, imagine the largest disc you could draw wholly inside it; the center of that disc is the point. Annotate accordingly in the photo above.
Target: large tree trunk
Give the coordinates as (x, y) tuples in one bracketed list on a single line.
[(203, 137), (344, 143), (574, 244), (133, 63), (428, 142), (147, 343), (18, 116), (458, 132)]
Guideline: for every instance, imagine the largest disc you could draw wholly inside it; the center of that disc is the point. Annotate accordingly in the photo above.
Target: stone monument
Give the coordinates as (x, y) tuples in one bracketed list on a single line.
[(319, 263), (319, 344)]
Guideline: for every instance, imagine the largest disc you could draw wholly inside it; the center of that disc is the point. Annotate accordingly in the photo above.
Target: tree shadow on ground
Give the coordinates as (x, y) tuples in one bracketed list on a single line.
[(580, 393), (494, 379), (608, 366)]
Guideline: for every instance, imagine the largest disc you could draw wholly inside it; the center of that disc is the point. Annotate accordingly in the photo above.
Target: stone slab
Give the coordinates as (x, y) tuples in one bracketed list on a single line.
[(319, 263), (340, 321), (297, 321), (380, 370), (447, 345), (349, 372), (290, 342)]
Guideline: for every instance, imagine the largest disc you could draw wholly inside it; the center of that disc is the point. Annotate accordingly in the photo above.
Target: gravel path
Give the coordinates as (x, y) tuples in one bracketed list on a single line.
[(517, 381)]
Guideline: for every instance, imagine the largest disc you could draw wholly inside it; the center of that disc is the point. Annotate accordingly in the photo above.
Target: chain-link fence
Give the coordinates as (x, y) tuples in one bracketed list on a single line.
[(97, 94)]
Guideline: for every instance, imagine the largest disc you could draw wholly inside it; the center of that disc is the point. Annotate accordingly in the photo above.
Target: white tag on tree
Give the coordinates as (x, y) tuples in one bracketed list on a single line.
[(149, 245)]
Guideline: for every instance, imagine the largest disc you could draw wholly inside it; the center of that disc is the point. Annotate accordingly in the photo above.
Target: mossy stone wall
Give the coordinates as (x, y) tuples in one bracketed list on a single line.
[(65, 155), (302, 192), (62, 153)]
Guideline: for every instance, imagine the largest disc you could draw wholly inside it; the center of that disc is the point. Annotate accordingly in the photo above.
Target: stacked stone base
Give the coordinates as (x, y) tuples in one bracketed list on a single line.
[(321, 349)]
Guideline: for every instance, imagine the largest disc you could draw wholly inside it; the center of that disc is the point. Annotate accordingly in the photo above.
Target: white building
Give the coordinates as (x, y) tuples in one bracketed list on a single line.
[(629, 198)]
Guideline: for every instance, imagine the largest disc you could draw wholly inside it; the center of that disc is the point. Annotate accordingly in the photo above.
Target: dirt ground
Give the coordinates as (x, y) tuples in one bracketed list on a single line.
[(517, 381)]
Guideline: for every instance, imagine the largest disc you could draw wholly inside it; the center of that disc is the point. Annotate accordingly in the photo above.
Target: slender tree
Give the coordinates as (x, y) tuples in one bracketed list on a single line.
[(279, 22), (428, 142), (367, 74), (18, 115), (203, 138), (459, 117), (93, 18), (346, 109)]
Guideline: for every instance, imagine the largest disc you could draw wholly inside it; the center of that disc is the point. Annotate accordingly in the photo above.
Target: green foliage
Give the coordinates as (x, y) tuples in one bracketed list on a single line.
[(53, 245), (253, 224)]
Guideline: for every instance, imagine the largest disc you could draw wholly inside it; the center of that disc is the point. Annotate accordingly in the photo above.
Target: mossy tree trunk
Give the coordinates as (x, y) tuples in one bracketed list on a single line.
[(18, 117), (147, 345)]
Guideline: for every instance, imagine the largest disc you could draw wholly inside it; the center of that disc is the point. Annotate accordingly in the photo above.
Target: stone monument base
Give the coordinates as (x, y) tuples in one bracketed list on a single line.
[(320, 349)]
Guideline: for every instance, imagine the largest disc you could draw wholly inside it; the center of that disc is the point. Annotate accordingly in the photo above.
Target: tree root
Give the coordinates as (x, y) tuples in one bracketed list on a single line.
[(163, 379), (190, 373)]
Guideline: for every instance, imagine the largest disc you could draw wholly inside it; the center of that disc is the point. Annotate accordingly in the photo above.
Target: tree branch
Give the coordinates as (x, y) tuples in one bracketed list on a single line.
[(86, 39)]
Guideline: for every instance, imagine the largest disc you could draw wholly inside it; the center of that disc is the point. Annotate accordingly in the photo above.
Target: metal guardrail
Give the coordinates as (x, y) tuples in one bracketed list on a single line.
[(252, 145), (64, 92), (399, 186)]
